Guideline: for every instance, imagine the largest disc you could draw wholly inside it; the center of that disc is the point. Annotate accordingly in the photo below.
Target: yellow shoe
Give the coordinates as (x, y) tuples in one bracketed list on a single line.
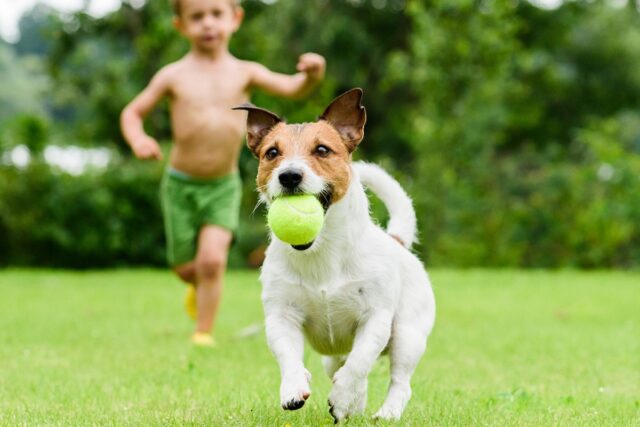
[(190, 302), (203, 339)]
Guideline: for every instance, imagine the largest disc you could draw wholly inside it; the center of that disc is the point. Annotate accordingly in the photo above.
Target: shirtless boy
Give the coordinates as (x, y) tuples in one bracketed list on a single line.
[(201, 188)]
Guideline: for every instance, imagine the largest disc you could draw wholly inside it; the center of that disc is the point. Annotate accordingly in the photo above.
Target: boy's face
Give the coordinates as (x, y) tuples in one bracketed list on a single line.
[(208, 24)]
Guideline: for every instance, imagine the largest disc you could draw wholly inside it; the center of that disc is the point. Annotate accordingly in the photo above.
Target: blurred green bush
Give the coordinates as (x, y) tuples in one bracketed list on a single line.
[(542, 209), (96, 219), (533, 210), (102, 218)]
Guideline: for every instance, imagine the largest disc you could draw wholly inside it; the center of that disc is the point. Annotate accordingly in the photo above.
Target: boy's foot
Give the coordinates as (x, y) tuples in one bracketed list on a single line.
[(190, 302), (203, 339)]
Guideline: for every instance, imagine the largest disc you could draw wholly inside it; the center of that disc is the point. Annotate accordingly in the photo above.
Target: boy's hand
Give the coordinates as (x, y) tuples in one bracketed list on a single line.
[(146, 148), (313, 65)]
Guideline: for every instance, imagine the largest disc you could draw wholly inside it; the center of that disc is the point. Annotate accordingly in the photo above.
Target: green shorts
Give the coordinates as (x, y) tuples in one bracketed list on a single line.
[(188, 203)]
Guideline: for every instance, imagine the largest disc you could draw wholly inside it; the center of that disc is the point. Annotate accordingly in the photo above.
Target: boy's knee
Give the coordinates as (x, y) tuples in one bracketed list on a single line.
[(210, 265)]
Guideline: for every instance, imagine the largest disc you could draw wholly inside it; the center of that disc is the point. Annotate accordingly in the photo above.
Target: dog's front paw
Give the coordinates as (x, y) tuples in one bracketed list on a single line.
[(389, 412), (295, 390), (348, 395)]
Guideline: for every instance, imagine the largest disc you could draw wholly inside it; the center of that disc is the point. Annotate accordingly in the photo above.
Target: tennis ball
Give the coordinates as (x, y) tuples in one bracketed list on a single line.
[(296, 220)]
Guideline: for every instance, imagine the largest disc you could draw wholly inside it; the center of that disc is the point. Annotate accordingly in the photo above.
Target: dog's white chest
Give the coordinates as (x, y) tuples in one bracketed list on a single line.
[(331, 316)]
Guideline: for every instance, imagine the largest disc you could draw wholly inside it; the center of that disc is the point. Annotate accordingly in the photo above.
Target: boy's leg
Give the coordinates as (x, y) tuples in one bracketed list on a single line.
[(210, 265), (186, 272)]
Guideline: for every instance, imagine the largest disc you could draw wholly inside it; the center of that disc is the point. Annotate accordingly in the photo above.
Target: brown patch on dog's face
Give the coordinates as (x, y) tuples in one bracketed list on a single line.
[(318, 145), (269, 154)]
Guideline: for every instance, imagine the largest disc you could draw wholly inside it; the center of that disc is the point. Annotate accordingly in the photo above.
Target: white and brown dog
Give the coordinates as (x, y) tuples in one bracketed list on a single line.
[(355, 291)]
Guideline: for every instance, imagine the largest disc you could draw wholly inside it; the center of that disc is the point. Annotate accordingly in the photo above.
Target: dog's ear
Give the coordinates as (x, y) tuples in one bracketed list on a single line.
[(259, 123), (347, 116)]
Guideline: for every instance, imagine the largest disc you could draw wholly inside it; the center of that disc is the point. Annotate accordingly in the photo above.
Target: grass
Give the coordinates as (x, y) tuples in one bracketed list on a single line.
[(510, 348)]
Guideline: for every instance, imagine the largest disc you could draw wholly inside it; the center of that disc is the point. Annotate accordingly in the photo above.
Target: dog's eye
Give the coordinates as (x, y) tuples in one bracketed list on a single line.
[(323, 150), (271, 153)]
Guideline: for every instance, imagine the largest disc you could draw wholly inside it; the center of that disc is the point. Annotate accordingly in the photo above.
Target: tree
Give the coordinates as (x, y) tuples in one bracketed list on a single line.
[(36, 27), (23, 114)]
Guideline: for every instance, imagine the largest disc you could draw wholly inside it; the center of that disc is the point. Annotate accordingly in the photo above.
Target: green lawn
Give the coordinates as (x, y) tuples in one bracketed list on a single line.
[(509, 348)]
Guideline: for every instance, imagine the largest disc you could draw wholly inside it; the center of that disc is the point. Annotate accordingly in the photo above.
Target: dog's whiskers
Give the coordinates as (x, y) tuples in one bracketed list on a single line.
[(260, 201)]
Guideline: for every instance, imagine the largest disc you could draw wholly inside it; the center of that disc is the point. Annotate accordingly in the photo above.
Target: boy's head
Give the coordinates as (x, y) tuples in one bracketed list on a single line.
[(208, 24), (176, 5)]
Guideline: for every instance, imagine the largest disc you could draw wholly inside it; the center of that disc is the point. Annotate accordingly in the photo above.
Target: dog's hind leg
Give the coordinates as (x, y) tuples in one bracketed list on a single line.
[(406, 348), (332, 363)]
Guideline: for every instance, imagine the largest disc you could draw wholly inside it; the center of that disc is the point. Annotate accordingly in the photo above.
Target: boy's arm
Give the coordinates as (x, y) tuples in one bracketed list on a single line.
[(131, 119), (311, 68)]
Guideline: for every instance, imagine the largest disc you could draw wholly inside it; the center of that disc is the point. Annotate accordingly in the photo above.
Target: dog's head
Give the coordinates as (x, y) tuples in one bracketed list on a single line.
[(309, 158)]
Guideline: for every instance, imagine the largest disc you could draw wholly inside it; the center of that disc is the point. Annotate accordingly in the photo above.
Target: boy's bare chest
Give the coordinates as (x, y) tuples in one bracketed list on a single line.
[(207, 89)]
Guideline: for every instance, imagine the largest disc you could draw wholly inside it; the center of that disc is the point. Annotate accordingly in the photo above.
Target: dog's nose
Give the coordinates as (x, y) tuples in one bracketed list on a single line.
[(290, 178)]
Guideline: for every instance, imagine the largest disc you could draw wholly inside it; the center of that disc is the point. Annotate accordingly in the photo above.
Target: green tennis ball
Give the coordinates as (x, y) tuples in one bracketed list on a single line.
[(296, 220)]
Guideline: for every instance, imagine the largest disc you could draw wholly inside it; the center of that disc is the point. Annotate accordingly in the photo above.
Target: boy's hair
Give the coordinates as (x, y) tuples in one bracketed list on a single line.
[(175, 5)]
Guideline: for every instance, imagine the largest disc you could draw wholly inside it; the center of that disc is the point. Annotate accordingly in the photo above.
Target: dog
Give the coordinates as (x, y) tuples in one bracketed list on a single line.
[(356, 291)]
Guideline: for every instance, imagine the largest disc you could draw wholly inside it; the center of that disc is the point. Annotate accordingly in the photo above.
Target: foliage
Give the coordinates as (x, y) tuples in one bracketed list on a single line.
[(22, 89), (460, 66), (97, 219), (101, 218), (515, 186), (104, 87), (501, 119), (35, 28)]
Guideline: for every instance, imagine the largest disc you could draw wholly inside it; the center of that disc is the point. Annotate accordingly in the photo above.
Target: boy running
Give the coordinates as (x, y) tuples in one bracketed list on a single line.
[(201, 188)]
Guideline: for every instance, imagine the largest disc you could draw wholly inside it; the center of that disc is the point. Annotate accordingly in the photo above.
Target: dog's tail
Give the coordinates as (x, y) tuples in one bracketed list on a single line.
[(402, 216)]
